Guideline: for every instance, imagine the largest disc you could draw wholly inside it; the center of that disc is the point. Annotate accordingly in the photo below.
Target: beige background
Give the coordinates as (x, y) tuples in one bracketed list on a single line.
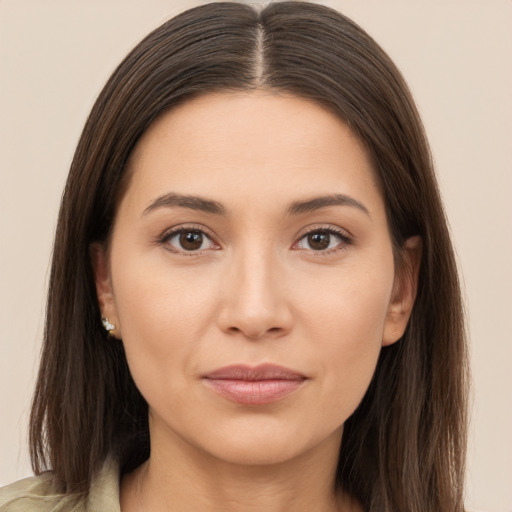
[(457, 56)]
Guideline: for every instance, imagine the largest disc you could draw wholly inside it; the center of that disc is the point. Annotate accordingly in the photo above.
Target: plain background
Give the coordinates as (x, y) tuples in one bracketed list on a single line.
[(55, 55)]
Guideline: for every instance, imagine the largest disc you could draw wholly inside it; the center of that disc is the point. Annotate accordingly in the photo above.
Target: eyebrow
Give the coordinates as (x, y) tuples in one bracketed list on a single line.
[(186, 201), (214, 207), (316, 203)]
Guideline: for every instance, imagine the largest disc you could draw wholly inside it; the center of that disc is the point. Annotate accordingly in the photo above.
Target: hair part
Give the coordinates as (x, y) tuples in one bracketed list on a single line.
[(404, 447)]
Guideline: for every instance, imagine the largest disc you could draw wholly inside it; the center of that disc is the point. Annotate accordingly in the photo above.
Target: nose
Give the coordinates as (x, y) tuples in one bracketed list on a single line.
[(254, 299)]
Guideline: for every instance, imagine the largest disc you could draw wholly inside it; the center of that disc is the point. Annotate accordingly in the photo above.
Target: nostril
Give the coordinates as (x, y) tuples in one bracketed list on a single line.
[(254, 333), (255, 317)]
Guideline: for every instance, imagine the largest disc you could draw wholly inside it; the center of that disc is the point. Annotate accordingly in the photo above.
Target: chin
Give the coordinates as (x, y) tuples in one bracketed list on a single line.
[(267, 443)]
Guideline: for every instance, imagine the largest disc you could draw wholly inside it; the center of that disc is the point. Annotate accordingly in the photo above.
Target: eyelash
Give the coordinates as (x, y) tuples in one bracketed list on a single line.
[(171, 233), (345, 239)]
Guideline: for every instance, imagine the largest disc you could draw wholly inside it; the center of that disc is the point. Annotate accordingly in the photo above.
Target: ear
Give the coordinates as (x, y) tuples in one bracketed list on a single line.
[(404, 291), (104, 291)]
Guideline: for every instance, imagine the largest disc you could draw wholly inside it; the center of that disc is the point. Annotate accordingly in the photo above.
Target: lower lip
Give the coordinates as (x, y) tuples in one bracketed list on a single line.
[(254, 392)]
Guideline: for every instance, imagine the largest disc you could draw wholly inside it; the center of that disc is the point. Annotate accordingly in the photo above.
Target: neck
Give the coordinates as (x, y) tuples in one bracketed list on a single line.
[(179, 478)]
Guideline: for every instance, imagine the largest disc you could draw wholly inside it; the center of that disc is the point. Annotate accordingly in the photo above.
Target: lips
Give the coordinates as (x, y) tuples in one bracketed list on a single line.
[(257, 385)]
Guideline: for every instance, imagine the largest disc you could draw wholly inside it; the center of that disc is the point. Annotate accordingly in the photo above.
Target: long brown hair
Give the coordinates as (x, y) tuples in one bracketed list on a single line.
[(404, 447)]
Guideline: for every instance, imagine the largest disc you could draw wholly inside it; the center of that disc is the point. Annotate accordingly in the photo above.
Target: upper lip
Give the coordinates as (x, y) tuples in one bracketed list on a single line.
[(254, 373)]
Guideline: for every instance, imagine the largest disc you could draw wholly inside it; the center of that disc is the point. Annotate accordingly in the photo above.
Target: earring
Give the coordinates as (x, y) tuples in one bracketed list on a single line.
[(108, 326)]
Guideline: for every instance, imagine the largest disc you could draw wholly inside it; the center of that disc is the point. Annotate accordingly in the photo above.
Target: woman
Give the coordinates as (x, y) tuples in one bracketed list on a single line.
[(253, 302)]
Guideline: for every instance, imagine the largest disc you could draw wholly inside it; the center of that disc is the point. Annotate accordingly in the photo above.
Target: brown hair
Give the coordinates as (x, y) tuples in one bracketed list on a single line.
[(404, 447)]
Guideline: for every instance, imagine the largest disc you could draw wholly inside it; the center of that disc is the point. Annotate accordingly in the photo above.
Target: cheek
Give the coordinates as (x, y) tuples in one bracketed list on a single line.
[(162, 315), (351, 302), (348, 324)]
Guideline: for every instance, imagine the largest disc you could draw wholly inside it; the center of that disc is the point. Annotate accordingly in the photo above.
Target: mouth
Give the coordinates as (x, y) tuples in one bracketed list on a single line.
[(256, 385)]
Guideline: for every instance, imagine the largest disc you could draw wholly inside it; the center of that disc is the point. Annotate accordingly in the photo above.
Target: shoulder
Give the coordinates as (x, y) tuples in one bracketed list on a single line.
[(37, 493)]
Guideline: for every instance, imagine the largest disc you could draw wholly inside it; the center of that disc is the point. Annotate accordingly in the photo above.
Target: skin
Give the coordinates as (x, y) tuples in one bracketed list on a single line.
[(257, 290)]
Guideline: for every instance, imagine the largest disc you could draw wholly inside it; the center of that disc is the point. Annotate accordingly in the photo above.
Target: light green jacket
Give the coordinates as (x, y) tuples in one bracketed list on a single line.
[(36, 494)]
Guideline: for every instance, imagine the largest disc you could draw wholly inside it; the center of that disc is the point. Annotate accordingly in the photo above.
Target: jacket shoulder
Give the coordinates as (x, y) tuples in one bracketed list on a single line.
[(37, 493)]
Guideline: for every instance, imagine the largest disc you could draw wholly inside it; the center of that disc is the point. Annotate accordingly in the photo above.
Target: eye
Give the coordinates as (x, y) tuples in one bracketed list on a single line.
[(188, 240), (325, 240)]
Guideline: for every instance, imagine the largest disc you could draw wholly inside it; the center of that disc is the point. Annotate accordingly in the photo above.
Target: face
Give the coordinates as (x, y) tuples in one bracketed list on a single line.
[(250, 276)]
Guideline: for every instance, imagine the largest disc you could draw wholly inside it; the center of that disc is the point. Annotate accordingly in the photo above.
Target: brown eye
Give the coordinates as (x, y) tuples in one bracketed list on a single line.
[(188, 240), (319, 241), (191, 240), (324, 240)]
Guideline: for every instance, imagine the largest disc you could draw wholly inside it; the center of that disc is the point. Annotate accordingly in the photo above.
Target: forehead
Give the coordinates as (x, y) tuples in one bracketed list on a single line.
[(248, 145)]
